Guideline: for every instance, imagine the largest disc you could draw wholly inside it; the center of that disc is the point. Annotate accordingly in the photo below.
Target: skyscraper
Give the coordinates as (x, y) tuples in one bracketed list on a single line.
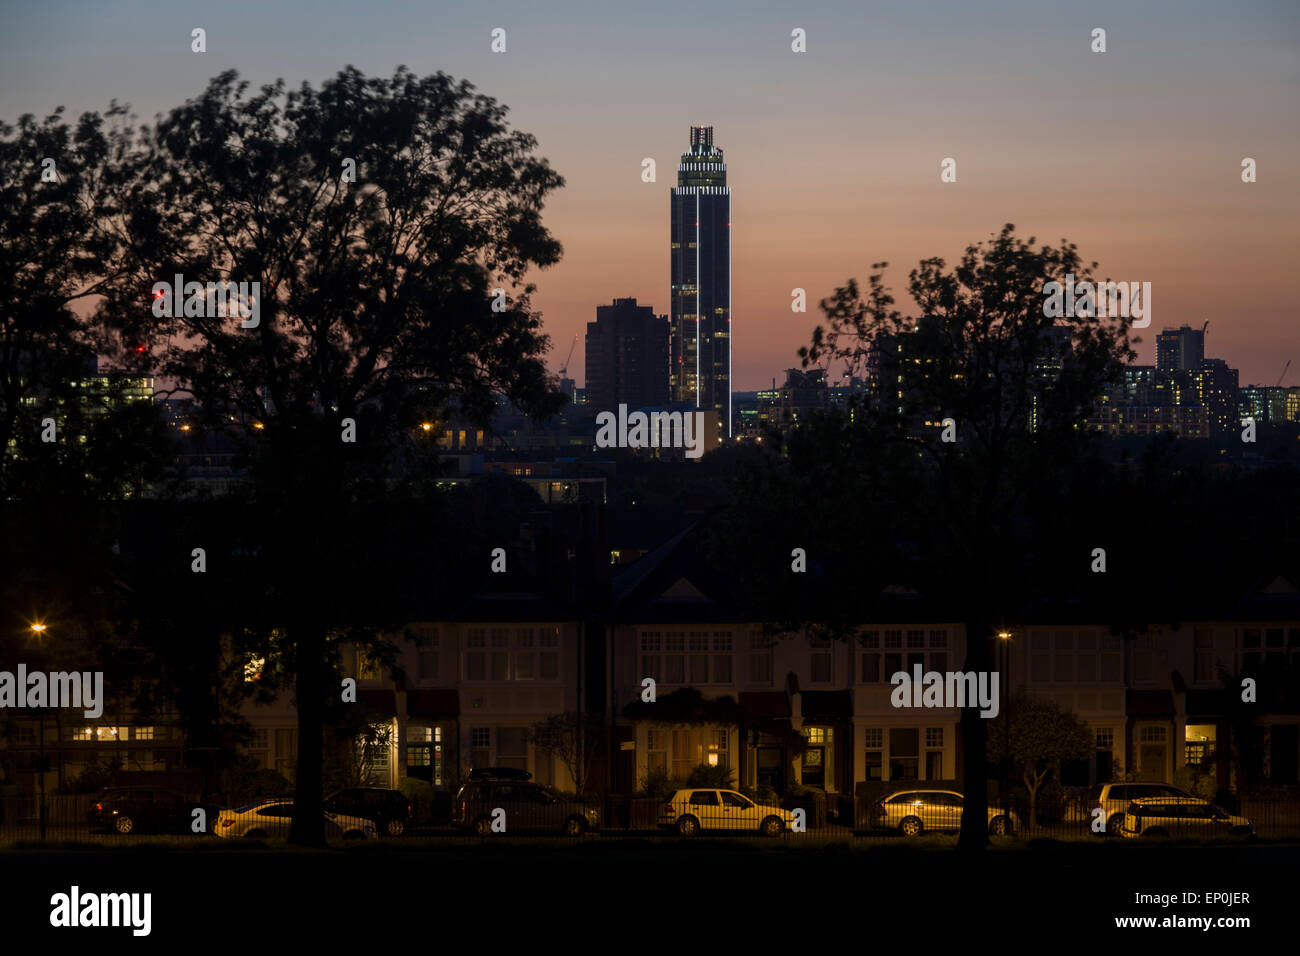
[(627, 356), (1181, 349), (700, 307)]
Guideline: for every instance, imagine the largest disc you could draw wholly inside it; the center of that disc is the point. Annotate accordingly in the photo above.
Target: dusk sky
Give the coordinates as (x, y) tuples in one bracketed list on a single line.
[(833, 155)]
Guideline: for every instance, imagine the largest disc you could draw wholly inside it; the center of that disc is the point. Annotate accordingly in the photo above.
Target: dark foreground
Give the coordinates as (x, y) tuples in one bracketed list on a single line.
[(692, 897)]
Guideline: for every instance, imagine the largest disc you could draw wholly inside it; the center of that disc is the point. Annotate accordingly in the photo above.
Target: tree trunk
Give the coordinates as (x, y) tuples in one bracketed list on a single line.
[(308, 828), (974, 735)]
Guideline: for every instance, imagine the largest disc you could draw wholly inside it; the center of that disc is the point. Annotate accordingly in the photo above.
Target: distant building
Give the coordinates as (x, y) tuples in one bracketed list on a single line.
[(700, 264), (1216, 387), (1180, 350), (627, 356)]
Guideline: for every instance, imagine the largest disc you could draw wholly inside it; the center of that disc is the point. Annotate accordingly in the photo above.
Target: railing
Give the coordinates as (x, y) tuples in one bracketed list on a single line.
[(67, 819)]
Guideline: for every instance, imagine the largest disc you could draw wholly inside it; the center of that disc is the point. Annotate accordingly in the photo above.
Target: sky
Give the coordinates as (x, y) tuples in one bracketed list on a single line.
[(833, 155)]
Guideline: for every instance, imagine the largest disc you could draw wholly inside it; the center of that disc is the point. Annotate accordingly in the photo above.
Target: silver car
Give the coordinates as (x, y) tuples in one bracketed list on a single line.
[(272, 818), (913, 812)]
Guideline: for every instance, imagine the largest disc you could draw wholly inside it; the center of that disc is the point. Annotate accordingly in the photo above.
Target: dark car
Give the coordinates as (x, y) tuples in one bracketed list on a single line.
[(527, 807), (389, 810), (135, 809)]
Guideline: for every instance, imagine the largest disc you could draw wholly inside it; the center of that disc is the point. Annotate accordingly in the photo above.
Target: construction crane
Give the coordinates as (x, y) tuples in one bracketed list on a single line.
[(1283, 375), (564, 369)]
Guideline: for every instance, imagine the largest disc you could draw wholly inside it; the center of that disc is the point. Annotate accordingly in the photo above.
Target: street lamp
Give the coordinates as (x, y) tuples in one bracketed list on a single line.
[(39, 628), (1004, 639)]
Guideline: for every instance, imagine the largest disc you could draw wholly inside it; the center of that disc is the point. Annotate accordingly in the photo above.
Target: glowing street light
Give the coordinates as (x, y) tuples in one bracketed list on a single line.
[(38, 627)]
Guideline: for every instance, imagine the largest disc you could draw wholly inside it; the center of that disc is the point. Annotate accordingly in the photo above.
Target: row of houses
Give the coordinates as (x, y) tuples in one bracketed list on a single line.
[(789, 709), (779, 710)]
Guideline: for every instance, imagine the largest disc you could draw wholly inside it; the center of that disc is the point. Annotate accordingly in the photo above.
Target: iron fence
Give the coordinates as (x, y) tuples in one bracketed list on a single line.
[(71, 818)]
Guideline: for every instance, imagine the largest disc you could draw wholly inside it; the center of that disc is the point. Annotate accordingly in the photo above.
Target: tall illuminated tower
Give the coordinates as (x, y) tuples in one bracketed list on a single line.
[(700, 306)]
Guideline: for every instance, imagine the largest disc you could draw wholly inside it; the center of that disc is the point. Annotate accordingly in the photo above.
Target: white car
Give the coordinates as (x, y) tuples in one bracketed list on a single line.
[(706, 808), (271, 818), (913, 812), (1181, 817)]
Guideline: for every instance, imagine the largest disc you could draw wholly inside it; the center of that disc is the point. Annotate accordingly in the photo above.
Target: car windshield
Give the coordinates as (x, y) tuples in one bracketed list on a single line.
[(251, 806)]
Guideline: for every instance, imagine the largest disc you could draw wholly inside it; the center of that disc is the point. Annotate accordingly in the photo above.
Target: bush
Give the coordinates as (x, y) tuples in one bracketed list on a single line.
[(763, 794), (658, 784), (93, 779), (1196, 781), (707, 776)]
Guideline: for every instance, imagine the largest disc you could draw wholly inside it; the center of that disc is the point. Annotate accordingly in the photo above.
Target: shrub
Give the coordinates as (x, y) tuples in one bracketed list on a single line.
[(707, 776), (658, 784)]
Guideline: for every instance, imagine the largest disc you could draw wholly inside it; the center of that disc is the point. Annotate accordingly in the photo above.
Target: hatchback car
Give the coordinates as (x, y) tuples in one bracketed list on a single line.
[(527, 806), (1181, 817), (1113, 799), (272, 818), (913, 812), (691, 811), (389, 810), (127, 810)]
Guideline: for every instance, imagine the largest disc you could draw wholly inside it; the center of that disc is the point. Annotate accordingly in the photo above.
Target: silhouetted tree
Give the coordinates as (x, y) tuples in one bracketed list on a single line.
[(886, 505), (376, 307)]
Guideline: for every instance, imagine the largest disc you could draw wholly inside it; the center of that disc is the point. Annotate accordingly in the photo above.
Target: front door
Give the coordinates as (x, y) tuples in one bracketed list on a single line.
[(771, 768), (1152, 757), (814, 767)]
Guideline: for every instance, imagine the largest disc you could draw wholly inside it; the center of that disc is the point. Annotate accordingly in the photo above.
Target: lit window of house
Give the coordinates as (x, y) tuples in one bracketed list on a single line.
[(367, 666), (1199, 743)]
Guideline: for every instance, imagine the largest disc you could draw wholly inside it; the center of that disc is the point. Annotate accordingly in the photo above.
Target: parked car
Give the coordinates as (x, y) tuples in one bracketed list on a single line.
[(528, 807), (389, 810), (913, 812), (272, 818), (694, 810), (1114, 798), (139, 809), (1181, 817)]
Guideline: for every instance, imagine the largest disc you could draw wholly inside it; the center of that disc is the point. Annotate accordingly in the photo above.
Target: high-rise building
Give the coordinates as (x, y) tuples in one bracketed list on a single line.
[(627, 356), (700, 310), (1181, 349), (1216, 387)]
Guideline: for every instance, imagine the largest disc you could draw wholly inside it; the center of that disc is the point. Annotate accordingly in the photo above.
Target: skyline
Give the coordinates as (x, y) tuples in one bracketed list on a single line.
[(1149, 186)]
